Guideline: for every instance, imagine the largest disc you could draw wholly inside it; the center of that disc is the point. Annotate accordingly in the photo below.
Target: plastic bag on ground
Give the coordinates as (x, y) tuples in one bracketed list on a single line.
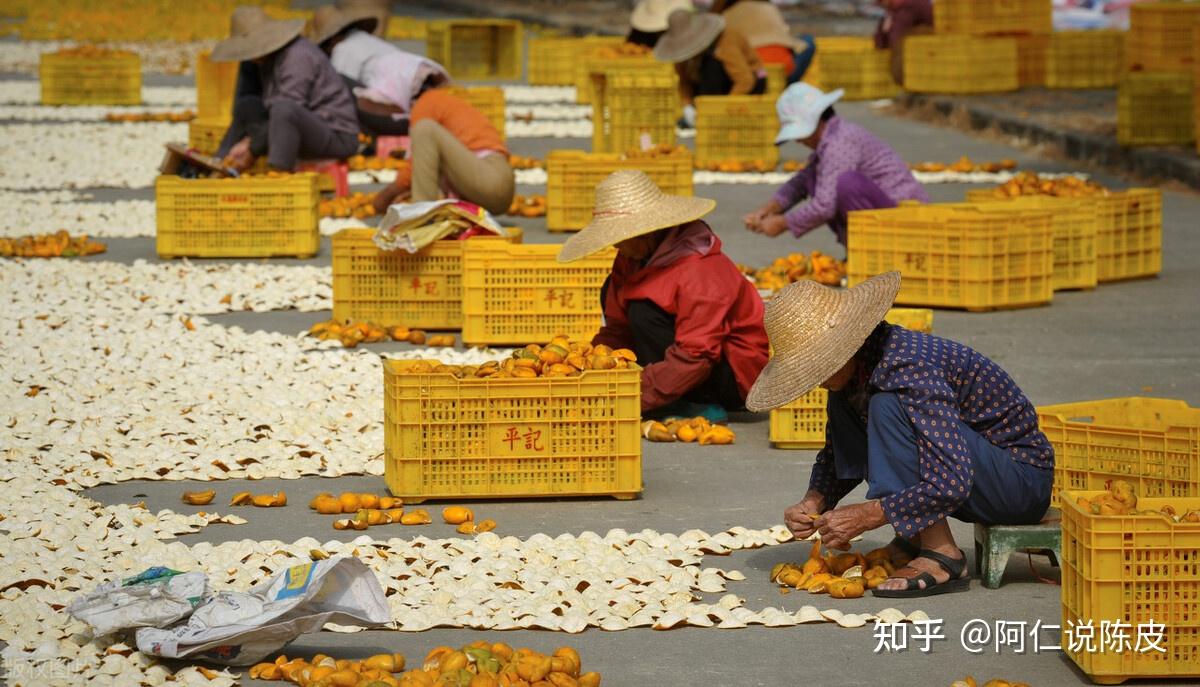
[(412, 226), (156, 597)]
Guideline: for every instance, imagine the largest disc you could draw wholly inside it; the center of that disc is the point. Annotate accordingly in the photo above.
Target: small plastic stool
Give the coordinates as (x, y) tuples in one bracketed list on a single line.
[(384, 145), (336, 173), (995, 543)]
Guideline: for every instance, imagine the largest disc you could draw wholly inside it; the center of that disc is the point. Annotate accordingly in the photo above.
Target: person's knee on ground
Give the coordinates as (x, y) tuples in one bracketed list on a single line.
[(284, 150)]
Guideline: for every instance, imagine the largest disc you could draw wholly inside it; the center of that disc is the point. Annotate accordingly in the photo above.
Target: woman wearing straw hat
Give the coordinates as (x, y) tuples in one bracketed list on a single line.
[(850, 169), (385, 79), (764, 27), (305, 109), (710, 59), (935, 429), (648, 21), (673, 297)]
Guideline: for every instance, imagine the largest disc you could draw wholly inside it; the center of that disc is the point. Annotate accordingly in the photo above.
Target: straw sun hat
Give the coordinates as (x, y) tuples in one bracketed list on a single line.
[(814, 330), (688, 34), (328, 21), (252, 34), (629, 204), (651, 15)]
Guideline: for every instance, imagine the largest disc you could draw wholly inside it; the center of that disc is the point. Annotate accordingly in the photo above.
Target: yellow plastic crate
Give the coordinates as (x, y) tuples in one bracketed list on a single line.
[(854, 65), (406, 29), (477, 49), (1155, 108), (629, 106), (801, 423), (1132, 569), (736, 127), (216, 83), (588, 65), (237, 218), (572, 176), (1160, 36), (1085, 59), (521, 294), (487, 99), (992, 16), (1075, 223), (1032, 56), (113, 78), (1129, 234), (1152, 443), (553, 61), (959, 64), (776, 80), (422, 289), (205, 133), (957, 255), (447, 438), (1196, 84)]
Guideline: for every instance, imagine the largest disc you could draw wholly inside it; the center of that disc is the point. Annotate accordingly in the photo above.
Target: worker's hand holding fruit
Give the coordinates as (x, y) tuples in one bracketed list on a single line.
[(801, 518), (770, 225), (840, 525), (239, 157), (755, 218)]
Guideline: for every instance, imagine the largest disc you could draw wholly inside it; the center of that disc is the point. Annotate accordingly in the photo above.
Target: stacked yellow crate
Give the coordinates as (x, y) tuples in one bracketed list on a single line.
[(215, 86), (1155, 98)]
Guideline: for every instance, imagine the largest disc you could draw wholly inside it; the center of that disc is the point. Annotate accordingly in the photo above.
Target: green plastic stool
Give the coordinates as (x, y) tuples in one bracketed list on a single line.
[(994, 544)]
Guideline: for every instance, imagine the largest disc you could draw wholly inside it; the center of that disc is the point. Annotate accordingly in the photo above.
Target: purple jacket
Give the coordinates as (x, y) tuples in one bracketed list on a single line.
[(300, 72), (844, 147)]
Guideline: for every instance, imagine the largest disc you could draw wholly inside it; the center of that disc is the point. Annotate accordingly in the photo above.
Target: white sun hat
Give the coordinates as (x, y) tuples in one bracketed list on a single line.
[(799, 108)]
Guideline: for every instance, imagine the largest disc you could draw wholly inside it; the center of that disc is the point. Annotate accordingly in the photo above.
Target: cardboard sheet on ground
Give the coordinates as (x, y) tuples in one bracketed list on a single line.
[(235, 628)]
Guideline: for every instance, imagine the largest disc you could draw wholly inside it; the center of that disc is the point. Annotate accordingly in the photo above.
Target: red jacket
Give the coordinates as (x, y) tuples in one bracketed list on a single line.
[(718, 314)]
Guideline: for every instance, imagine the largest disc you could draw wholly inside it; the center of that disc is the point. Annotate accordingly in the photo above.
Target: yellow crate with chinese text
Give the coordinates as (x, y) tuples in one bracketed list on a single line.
[(1085, 59), (960, 64), (1155, 108), (487, 99), (1137, 575), (90, 77), (216, 83), (420, 290), (553, 61), (1011, 17), (521, 294), (1076, 224), (736, 128), (853, 64), (633, 107), (256, 217), (477, 49), (572, 175), (1160, 36), (450, 438), (1152, 443), (801, 423)]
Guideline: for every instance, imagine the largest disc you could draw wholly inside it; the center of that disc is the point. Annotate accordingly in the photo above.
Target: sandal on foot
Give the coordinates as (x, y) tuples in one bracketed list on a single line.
[(913, 589), (906, 547)]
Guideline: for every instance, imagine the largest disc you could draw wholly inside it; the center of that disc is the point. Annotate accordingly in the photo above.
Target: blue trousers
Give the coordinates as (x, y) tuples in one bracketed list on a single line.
[(802, 59), (883, 451)]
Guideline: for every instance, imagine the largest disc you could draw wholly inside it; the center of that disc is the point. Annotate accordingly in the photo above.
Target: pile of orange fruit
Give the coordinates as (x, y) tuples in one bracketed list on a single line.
[(183, 116), (1030, 184), (658, 151), (965, 164), (359, 163), (842, 576), (821, 268), (527, 206), (370, 510), (351, 334), (688, 430), (358, 205), (60, 244), (519, 162), (736, 166), (559, 358)]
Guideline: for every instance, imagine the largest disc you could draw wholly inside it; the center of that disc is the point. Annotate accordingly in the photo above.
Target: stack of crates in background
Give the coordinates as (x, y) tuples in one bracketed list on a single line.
[(1152, 443), (960, 64), (1155, 97), (256, 217), (520, 294), (553, 61), (1032, 57), (854, 65), (1008, 17), (633, 109), (395, 288), (456, 438), (572, 176), (1085, 59), (972, 256), (477, 49), (801, 423), (90, 76), (1135, 570), (736, 129), (603, 60), (216, 83), (1075, 223), (487, 99)]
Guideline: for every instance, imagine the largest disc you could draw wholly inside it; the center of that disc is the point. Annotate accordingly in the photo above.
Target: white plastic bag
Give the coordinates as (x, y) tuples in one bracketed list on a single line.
[(235, 628), (156, 597)]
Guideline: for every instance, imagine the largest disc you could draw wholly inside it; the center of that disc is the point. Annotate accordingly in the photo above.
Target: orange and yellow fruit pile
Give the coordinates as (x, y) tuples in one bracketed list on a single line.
[(527, 206), (965, 165), (360, 163), (519, 162), (1120, 498), (736, 166), (60, 244), (358, 205), (351, 334), (688, 430), (182, 116), (842, 576), (559, 358), (1030, 184), (821, 268)]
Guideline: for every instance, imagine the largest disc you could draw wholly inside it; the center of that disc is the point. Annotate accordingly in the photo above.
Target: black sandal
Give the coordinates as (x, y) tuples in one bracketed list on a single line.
[(906, 547), (913, 588)]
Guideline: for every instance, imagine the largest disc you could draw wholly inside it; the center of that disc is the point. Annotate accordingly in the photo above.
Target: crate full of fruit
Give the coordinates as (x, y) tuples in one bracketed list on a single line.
[(89, 75)]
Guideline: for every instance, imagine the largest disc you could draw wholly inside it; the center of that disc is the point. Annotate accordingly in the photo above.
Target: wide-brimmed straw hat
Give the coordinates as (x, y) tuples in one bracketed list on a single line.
[(651, 15), (629, 204), (688, 34), (252, 34), (328, 21), (814, 330)]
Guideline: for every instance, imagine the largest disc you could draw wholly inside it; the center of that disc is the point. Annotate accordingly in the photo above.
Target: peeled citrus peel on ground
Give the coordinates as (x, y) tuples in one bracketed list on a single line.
[(60, 244), (696, 429), (970, 682), (351, 334), (245, 498), (1120, 498), (527, 206), (352, 502), (326, 671), (198, 498), (842, 576), (821, 268), (357, 204)]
